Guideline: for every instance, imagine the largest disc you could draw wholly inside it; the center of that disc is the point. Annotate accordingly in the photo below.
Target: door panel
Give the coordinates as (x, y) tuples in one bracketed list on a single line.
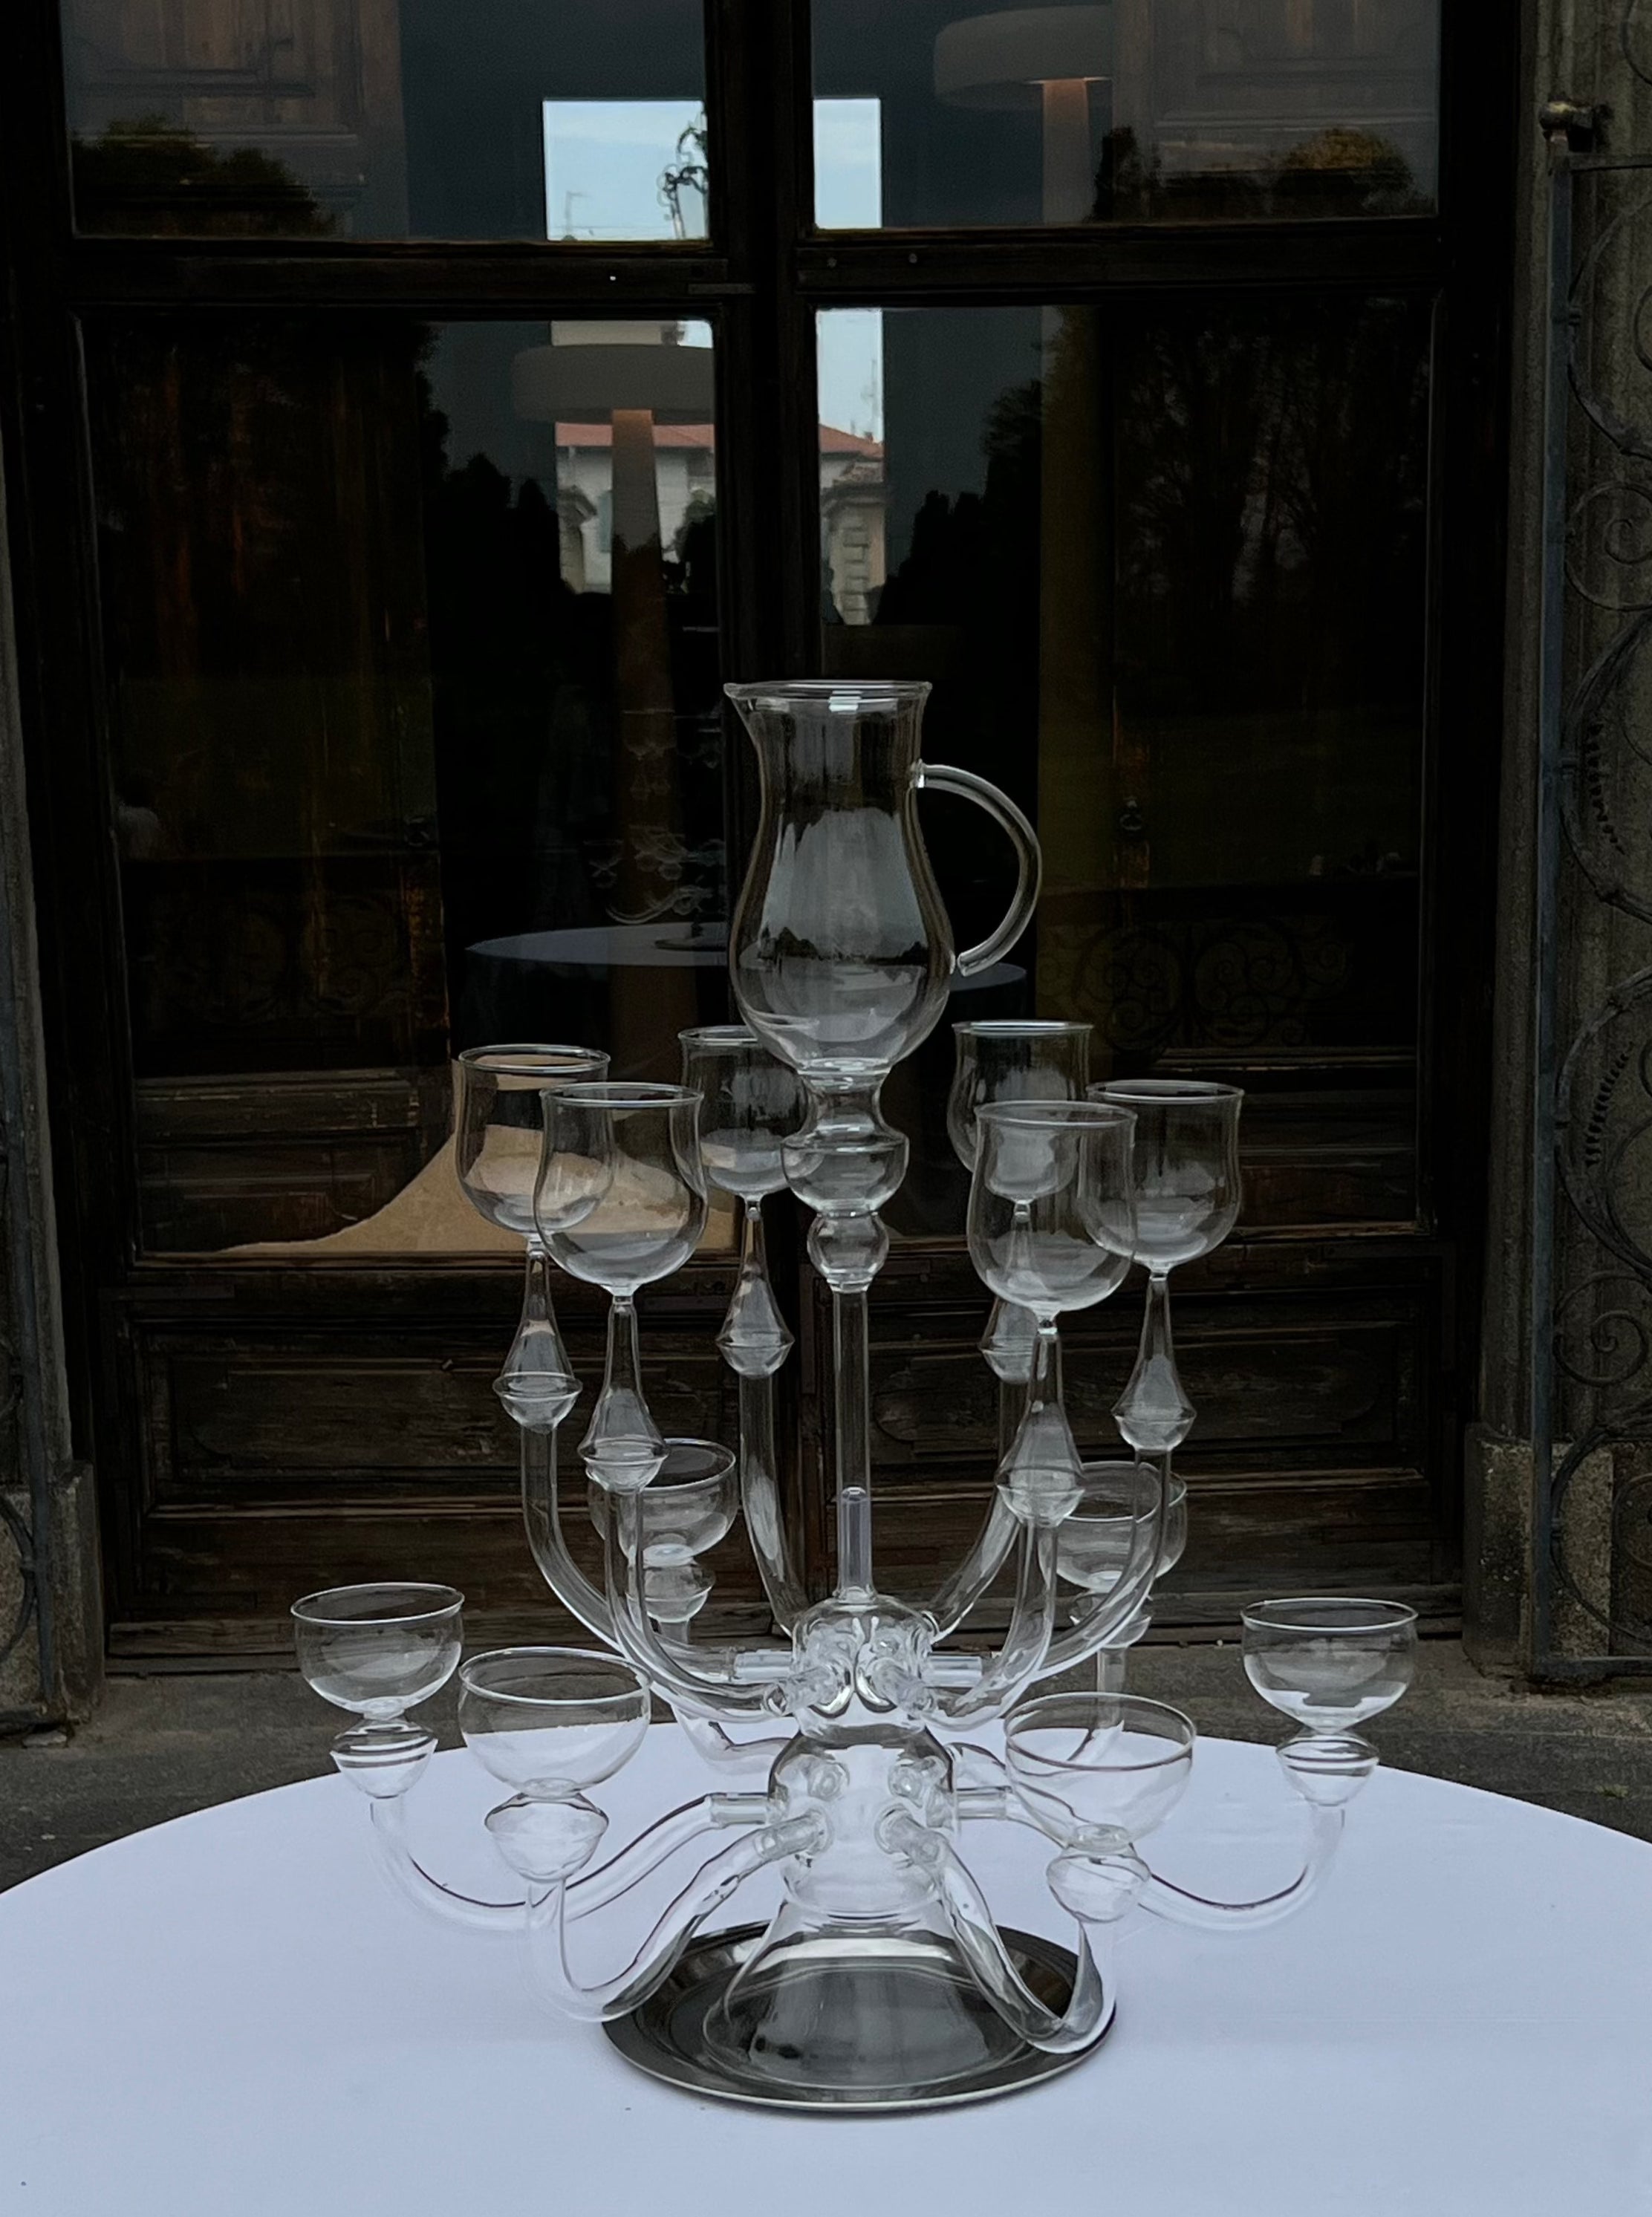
[(313, 1424), (402, 732), (1318, 1375)]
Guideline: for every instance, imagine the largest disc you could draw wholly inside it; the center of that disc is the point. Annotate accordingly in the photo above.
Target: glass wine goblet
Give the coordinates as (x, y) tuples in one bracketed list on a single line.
[(1187, 1195), (1093, 1545), (1329, 1664), (620, 1202), (377, 1651), (1011, 1060), (1097, 1771), (752, 1102), (1052, 1228), (499, 1129), (548, 1722)]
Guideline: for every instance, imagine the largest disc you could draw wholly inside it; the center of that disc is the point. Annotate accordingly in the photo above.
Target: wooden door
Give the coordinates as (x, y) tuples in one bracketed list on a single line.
[(1159, 429)]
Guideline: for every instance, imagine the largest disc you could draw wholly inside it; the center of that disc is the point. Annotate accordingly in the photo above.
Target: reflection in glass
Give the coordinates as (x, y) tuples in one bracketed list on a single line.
[(1137, 109), (416, 741), (388, 118), (625, 169), (848, 164), (1164, 570)]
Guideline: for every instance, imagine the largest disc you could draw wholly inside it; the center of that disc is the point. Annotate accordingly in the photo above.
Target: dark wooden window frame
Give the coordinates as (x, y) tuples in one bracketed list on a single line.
[(760, 280)]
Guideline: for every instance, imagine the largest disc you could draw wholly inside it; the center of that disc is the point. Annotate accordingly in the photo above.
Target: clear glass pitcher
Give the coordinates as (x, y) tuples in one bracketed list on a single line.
[(840, 952)]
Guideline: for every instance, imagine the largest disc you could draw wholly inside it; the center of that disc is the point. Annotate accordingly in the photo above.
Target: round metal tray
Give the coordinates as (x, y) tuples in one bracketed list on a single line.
[(667, 2037)]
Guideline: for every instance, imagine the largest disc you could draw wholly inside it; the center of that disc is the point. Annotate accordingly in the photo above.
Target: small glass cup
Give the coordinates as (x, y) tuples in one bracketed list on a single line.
[(549, 1721), (1093, 1544), (1329, 1662), (379, 1650), (1098, 1771), (690, 1503), (685, 1509)]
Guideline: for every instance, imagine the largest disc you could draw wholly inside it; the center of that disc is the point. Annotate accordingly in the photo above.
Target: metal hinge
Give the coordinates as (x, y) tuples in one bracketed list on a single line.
[(1574, 122)]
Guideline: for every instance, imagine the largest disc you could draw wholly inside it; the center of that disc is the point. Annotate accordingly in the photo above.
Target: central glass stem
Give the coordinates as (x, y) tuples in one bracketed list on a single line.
[(845, 1164), (851, 1356)]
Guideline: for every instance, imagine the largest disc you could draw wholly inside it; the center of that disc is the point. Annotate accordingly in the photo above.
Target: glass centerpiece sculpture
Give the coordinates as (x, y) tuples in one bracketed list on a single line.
[(883, 1980)]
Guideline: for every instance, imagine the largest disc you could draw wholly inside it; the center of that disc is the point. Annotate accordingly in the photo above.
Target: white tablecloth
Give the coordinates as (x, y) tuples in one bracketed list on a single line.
[(230, 2017)]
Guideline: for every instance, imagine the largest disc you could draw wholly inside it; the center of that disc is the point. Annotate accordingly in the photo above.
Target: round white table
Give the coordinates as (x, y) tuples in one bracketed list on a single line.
[(230, 2017)]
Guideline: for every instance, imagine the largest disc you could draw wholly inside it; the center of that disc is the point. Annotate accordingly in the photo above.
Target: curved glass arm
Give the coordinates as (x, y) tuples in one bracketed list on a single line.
[(984, 1560), (712, 1813), (1179, 1906), (970, 1919), (979, 1770), (408, 1877), (1025, 1643), (711, 1887), (541, 1515), (1101, 1624), (715, 1745), (638, 1637), (941, 777), (1324, 1772)]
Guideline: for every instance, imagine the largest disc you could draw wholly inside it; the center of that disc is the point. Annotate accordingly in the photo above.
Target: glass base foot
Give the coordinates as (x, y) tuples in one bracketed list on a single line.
[(878, 2024)]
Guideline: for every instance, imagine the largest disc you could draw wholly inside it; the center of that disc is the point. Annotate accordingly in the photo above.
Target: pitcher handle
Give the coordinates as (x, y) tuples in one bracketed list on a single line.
[(1028, 863)]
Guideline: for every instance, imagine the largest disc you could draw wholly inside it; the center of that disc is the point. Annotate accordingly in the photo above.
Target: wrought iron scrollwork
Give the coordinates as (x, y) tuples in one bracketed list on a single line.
[(15, 1528), (1592, 1339), (1235, 983)]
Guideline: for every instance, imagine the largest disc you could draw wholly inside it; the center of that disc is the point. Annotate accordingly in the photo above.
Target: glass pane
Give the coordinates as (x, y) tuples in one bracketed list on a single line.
[(1165, 568), (388, 118), (416, 741), (1129, 111)]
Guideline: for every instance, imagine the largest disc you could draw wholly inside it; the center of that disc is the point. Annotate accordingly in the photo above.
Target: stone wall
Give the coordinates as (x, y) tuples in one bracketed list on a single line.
[(51, 1620)]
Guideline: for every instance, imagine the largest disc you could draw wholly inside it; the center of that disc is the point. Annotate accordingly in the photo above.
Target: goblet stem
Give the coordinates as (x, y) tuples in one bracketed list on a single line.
[(1153, 1413), (755, 1343), (1006, 1343), (537, 1385), (754, 1337), (623, 1441), (1112, 1665), (1042, 1465)]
